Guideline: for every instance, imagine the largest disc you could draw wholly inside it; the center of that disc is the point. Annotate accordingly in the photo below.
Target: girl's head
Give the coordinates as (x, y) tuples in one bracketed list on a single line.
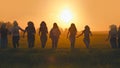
[(30, 24), (72, 28), (3, 25), (43, 24), (119, 27), (15, 23), (73, 25), (113, 27), (87, 28), (55, 25)]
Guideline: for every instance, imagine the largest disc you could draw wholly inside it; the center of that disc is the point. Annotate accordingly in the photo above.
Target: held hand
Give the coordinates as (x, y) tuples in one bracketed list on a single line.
[(77, 36)]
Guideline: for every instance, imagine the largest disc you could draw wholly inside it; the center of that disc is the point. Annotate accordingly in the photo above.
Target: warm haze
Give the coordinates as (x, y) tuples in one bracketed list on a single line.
[(98, 14)]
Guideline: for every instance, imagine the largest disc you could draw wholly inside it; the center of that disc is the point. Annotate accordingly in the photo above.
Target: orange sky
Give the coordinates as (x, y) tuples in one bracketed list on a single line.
[(98, 14)]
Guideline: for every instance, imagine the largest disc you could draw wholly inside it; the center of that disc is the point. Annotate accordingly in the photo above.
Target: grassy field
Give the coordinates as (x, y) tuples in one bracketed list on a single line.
[(99, 55), (59, 58)]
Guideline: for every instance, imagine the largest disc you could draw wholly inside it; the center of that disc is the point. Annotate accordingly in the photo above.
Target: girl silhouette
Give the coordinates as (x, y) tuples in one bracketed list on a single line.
[(15, 34), (54, 35), (113, 36), (119, 37), (43, 31), (87, 34), (4, 33), (30, 29), (71, 34)]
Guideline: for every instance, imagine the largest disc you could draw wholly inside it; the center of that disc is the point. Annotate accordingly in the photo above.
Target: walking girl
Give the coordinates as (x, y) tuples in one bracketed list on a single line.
[(87, 34), (43, 31), (112, 36), (54, 35), (30, 29), (3, 35), (15, 34), (71, 34)]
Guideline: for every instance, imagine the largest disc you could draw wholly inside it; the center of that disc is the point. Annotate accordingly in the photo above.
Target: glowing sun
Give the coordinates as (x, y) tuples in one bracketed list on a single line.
[(66, 16)]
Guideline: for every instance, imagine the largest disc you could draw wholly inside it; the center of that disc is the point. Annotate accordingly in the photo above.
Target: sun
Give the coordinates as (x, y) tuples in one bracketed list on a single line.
[(66, 16)]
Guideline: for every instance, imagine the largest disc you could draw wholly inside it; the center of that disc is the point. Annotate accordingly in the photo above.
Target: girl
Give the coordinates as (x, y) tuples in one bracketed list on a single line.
[(113, 36), (72, 33), (54, 35), (30, 29), (119, 37), (4, 33), (43, 31), (87, 34), (15, 34)]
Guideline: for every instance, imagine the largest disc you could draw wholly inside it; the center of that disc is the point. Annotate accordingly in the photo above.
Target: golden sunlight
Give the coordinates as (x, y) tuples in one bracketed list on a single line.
[(66, 16)]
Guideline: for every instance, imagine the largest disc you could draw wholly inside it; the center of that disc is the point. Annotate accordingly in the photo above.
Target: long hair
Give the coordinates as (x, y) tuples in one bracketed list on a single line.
[(119, 28), (31, 27), (72, 28), (3, 25), (55, 25), (30, 24), (43, 26), (113, 31), (87, 28), (113, 28), (15, 23)]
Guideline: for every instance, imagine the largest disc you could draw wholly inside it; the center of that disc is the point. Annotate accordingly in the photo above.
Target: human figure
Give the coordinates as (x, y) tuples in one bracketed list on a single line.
[(113, 36), (15, 34), (72, 31), (0, 39), (4, 33), (87, 34), (119, 37), (30, 29), (54, 35), (43, 31)]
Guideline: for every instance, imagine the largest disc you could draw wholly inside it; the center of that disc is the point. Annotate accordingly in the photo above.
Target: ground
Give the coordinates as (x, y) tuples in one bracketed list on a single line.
[(60, 58)]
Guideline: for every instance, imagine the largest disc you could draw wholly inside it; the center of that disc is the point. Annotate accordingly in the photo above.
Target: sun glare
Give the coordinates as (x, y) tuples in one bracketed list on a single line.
[(66, 16)]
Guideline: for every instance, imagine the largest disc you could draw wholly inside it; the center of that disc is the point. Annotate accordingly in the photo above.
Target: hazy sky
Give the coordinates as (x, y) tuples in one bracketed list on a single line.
[(98, 14)]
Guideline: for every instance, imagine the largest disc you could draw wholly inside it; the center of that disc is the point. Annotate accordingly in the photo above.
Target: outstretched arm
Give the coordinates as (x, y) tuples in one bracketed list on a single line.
[(21, 29), (24, 33), (80, 35)]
